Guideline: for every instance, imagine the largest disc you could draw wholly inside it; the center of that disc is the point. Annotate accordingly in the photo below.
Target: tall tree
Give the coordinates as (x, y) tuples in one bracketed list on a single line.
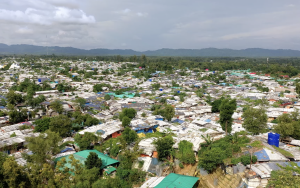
[(61, 124), (255, 120), (126, 121), (57, 106), (169, 112), (43, 147), (227, 109), (81, 102), (129, 135), (14, 98), (93, 161), (164, 146), (298, 88), (3, 157), (85, 141)]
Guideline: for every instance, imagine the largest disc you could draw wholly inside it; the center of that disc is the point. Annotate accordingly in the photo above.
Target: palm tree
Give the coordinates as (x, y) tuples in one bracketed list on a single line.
[(208, 140)]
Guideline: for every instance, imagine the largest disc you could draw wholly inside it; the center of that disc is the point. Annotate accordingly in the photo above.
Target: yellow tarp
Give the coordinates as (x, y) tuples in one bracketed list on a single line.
[(141, 135)]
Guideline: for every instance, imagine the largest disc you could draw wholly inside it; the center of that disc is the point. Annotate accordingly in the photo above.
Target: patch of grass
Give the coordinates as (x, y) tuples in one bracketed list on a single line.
[(156, 134), (283, 152), (256, 144), (203, 129)]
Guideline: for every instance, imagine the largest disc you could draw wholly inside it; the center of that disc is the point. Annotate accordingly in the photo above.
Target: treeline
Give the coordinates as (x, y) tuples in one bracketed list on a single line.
[(274, 66)]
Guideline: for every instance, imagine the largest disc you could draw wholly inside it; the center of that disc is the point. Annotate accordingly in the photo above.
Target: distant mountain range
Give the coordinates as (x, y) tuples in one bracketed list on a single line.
[(206, 52)]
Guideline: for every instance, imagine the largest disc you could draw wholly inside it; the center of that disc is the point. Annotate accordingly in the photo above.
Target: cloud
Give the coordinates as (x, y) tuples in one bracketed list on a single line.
[(47, 15), (150, 25)]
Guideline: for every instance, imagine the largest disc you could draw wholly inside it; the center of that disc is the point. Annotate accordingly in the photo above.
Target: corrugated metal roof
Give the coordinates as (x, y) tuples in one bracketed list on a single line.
[(177, 181)]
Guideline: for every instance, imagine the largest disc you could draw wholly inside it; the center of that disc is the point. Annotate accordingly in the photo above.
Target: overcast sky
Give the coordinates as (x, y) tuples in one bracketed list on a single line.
[(152, 24)]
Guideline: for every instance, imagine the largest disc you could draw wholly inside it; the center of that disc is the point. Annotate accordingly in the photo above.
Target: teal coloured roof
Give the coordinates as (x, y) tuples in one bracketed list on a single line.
[(110, 169), (177, 181), (82, 156)]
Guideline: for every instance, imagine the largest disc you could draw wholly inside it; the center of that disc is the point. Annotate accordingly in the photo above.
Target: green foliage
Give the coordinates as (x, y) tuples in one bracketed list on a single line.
[(23, 127), (283, 178), (106, 97), (126, 121), (215, 106), (181, 165), (81, 102), (128, 112), (284, 152), (129, 135), (255, 120), (186, 153), (246, 159), (227, 109), (213, 154), (16, 116), (275, 121), (42, 147), (93, 161), (298, 88), (155, 86), (3, 102), (132, 176), (164, 147), (64, 87), (57, 106), (144, 114), (210, 159), (85, 141), (3, 157), (235, 161), (288, 125), (42, 124), (141, 164), (168, 112), (99, 87), (13, 135), (112, 183), (61, 124), (14, 98), (163, 100)]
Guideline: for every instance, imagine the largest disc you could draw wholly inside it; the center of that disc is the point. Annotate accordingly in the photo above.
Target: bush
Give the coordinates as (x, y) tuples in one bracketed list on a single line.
[(181, 165), (235, 161), (186, 153), (246, 159), (141, 164)]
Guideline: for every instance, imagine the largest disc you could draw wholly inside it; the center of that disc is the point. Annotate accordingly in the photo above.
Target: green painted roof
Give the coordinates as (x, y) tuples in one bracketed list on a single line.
[(110, 169), (82, 155), (177, 181)]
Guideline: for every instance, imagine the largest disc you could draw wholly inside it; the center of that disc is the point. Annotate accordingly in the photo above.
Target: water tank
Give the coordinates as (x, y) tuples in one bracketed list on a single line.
[(178, 91), (150, 80), (273, 139), (214, 72), (39, 80), (160, 89), (92, 68)]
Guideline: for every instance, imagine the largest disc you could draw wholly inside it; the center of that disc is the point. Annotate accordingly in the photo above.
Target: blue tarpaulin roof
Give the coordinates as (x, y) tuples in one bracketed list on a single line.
[(67, 149), (208, 120), (262, 155), (178, 121), (101, 131)]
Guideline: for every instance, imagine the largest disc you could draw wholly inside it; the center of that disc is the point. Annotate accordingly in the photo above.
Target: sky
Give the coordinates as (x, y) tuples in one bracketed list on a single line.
[(153, 24)]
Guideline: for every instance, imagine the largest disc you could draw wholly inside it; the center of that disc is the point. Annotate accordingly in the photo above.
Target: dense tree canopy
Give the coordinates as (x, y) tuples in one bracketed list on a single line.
[(164, 147), (227, 109), (255, 120)]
